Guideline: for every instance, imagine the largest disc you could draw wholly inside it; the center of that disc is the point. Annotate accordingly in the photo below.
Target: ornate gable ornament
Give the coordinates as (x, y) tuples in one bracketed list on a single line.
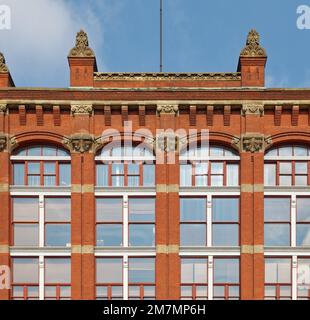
[(81, 143), (253, 109), (252, 142), (3, 66), (167, 109), (253, 48), (81, 48), (81, 109)]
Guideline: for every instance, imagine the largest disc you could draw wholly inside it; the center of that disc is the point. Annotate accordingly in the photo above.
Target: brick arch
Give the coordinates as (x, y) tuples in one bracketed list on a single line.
[(42, 137), (289, 138), (218, 138)]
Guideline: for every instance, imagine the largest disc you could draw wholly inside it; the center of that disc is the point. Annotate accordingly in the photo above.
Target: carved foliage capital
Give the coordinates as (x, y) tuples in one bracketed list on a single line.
[(3, 108), (7, 143), (167, 109), (253, 109), (81, 143), (81, 48), (252, 142), (81, 109)]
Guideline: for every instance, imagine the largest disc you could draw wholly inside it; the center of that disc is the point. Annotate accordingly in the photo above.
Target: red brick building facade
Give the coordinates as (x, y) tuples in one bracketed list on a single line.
[(166, 230)]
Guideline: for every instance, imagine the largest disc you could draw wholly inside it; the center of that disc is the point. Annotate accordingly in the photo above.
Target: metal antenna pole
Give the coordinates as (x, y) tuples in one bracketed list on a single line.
[(161, 36)]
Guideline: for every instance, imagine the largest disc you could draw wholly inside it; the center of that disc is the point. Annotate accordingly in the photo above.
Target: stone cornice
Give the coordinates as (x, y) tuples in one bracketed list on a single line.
[(145, 76)]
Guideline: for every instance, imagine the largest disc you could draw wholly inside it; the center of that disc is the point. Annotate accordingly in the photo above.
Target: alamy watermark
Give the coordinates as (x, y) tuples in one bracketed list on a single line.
[(5, 277), (5, 17)]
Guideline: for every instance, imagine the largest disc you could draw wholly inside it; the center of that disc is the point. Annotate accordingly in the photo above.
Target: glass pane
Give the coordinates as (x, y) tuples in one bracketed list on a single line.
[(141, 209), (234, 291), (57, 270), (270, 174), (285, 168), (109, 270), (49, 151), (63, 152), (201, 181), (26, 209), (49, 180), (232, 175), (19, 174), (217, 168), (286, 151), (216, 151), (133, 181), (270, 291), (194, 270), (33, 167), (34, 151), (277, 234), (285, 180), (226, 270), (50, 292), (141, 235), (225, 235), (201, 168), (133, 168), (303, 276), (102, 175), (193, 209), (186, 175), (117, 168), (49, 168), (277, 209), (57, 235), (109, 209), (303, 235), (225, 209), (109, 235), (217, 181), (301, 180), (303, 209), (148, 175), (300, 151), (18, 291), (301, 167), (65, 291), (118, 181), (26, 270), (57, 209), (34, 180), (277, 270), (64, 174), (141, 270), (193, 234), (26, 235)]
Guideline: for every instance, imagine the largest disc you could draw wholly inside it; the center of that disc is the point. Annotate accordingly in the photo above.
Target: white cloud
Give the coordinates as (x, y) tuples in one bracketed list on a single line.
[(43, 31)]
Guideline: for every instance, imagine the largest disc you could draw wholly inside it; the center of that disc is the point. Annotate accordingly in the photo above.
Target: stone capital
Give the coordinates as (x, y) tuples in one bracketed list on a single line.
[(251, 142), (81, 143), (252, 109), (3, 108), (81, 109), (167, 109)]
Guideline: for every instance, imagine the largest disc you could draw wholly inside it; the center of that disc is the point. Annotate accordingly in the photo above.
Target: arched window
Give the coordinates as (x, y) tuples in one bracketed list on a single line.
[(120, 165), (209, 166), (287, 166), (41, 165)]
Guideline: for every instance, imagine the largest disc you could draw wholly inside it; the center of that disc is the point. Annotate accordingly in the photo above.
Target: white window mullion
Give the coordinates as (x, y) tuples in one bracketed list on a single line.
[(293, 220), (210, 278), (41, 277), (209, 220), (125, 220), (125, 277), (294, 277), (41, 221)]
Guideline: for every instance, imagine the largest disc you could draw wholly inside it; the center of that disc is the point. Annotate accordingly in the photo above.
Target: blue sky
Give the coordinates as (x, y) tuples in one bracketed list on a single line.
[(199, 36)]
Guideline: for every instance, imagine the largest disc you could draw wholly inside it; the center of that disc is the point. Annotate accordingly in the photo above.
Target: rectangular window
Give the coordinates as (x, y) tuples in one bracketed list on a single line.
[(217, 174), (148, 175), (141, 222), (303, 222), (133, 174), (57, 284), (194, 278), (49, 173), (34, 176), (285, 173), (278, 279), (186, 175), (303, 279), (19, 174), (57, 222), (232, 177), (118, 174), (193, 218), (226, 279), (225, 221), (270, 174), (25, 279), (109, 278), (141, 277), (102, 175), (25, 222), (64, 174), (109, 218), (277, 221)]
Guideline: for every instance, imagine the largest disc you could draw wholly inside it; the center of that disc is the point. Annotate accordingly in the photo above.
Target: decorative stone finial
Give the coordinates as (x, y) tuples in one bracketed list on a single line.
[(3, 66), (81, 48), (253, 48)]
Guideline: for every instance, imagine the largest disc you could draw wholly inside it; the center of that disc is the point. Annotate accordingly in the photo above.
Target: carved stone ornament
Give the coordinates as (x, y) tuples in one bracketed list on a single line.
[(252, 142), (81, 109), (81, 143), (252, 108), (253, 48), (3, 108), (167, 142), (3, 66), (167, 109), (81, 48)]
